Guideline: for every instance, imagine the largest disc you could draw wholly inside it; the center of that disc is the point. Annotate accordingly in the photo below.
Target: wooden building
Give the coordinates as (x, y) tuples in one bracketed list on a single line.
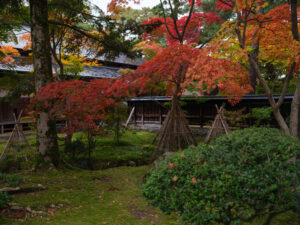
[(199, 111)]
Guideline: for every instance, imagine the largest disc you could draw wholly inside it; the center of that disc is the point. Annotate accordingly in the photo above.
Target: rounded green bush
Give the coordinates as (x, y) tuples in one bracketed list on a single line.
[(236, 178)]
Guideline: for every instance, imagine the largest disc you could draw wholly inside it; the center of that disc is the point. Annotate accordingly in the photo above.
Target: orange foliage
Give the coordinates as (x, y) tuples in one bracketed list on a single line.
[(26, 38), (275, 37), (117, 6), (6, 54)]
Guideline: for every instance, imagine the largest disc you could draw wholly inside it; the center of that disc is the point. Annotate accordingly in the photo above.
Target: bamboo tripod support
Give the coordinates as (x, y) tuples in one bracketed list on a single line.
[(219, 123), (16, 136)]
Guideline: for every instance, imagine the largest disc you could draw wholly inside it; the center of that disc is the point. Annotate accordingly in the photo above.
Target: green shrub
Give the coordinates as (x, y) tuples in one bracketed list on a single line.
[(238, 177), (5, 198), (262, 115), (237, 118)]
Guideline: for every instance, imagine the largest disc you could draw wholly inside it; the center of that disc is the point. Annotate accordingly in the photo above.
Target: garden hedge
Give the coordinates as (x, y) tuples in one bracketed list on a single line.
[(236, 178)]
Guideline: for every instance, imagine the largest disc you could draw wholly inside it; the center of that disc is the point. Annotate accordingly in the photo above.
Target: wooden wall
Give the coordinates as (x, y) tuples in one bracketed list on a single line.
[(197, 112), (6, 112)]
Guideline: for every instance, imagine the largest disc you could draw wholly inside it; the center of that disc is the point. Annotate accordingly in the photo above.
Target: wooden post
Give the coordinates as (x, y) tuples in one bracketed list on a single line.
[(201, 116), (160, 114), (130, 116), (143, 113), (135, 116)]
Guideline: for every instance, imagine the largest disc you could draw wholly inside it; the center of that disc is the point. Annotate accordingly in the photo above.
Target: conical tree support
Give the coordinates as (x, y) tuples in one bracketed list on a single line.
[(175, 132), (219, 126), (16, 137)]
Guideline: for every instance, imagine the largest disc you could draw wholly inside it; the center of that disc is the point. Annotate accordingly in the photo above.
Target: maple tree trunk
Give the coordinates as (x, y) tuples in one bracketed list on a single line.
[(175, 133), (253, 75), (294, 116), (276, 108), (292, 129), (47, 147)]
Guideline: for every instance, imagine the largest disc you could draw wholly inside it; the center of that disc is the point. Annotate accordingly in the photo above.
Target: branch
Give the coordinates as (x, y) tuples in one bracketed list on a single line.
[(175, 19), (75, 28), (245, 27), (294, 19), (262, 81), (68, 7), (165, 19), (286, 85), (204, 43), (226, 3), (188, 19)]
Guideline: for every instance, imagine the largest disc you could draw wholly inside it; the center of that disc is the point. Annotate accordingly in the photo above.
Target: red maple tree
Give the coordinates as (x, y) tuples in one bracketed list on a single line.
[(83, 104), (176, 66)]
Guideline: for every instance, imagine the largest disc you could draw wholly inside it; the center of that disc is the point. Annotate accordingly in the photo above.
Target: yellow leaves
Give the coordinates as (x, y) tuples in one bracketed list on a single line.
[(175, 178), (253, 5), (74, 64), (266, 4)]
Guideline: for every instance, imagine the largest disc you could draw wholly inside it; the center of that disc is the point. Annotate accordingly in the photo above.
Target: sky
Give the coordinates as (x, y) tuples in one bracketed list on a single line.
[(144, 3)]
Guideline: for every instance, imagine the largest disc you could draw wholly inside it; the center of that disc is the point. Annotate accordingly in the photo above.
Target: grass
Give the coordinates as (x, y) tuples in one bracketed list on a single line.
[(106, 153), (129, 148), (111, 196)]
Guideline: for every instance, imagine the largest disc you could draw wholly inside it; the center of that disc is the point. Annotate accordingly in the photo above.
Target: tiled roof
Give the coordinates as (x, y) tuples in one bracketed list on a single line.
[(91, 72), (206, 97)]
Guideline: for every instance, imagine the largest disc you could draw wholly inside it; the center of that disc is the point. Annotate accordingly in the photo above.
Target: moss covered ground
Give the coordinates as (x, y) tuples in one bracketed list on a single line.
[(111, 196)]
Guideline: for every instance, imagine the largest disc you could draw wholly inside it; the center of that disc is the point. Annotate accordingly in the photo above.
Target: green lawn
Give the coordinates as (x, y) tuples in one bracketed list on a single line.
[(130, 148), (111, 196), (106, 153)]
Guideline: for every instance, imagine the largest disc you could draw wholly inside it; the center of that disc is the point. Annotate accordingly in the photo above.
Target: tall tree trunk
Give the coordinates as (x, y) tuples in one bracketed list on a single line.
[(47, 147), (294, 116)]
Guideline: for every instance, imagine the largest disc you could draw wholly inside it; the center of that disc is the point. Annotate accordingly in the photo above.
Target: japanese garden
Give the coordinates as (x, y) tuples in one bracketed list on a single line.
[(135, 112)]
